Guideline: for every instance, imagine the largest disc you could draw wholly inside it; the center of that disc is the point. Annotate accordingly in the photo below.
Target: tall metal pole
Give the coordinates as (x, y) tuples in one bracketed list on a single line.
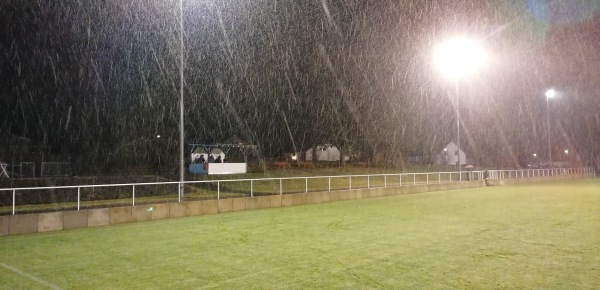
[(548, 133), (457, 130), (181, 108)]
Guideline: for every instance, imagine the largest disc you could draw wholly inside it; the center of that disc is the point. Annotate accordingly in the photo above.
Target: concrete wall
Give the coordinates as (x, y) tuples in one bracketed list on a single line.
[(4, 220), (56, 221)]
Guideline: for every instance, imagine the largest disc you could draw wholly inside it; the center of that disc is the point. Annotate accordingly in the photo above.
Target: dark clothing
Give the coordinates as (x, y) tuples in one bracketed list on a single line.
[(218, 160)]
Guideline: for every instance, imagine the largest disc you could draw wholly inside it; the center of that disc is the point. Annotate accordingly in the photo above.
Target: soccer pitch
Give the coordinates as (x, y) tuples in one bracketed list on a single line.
[(542, 236)]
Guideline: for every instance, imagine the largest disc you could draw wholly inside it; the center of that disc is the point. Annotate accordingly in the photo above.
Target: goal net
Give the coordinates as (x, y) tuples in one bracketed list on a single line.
[(55, 169)]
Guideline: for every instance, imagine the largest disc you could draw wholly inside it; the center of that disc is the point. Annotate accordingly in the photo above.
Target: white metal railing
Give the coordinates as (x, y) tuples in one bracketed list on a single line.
[(353, 182)]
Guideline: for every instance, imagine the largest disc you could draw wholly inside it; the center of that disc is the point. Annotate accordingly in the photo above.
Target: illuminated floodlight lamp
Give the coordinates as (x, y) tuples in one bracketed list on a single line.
[(460, 57)]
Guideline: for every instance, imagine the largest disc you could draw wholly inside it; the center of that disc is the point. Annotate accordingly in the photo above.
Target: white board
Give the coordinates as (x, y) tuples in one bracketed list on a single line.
[(227, 168)]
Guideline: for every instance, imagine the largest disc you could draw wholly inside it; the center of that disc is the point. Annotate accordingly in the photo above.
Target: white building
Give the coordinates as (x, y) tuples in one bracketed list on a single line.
[(449, 155), (325, 152)]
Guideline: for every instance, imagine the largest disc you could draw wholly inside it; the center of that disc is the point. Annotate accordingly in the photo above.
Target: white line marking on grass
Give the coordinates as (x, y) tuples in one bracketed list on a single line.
[(30, 277), (218, 284)]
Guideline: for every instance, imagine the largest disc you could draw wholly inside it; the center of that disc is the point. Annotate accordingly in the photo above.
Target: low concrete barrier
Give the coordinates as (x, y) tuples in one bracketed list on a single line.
[(276, 201), (239, 204), (120, 215), (75, 219), (194, 207), (251, 203), (210, 207), (177, 210), (51, 221), (160, 211), (225, 205), (4, 225), (23, 224), (98, 217), (264, 201), (141, 213), (55, 221)]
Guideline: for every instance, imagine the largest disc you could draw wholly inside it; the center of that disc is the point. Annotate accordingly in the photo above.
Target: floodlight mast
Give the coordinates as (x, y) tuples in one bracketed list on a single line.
[(181, 108), (456, 59), (551, 93)]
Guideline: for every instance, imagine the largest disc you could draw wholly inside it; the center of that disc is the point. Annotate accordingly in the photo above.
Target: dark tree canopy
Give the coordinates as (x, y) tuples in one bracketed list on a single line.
[(99, 80)]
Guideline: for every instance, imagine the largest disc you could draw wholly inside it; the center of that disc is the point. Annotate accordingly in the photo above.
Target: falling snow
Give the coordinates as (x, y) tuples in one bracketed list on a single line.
[(98, 80)]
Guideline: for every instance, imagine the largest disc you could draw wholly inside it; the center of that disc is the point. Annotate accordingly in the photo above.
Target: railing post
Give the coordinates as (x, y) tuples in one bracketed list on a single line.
[(400, 177), (218, 189), (329, 183), (280, 186), (449, 177), (179, 191), (14, 200), (133, 195), (251, 188), (414, 179), (439, 177), (426, 178), (385, 181), (368, 181), (306, 186), (78, 197), (350, 181)]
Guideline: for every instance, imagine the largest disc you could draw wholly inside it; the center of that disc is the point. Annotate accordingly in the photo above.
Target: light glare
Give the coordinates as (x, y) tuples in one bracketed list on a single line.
[(459, 58)]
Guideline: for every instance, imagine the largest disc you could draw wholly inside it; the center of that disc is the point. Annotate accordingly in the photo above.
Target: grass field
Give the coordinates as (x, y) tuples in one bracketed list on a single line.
[(539, 236)]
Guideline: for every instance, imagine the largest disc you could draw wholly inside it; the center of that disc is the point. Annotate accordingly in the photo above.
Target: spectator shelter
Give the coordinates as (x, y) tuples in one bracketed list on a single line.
[(215, 158)]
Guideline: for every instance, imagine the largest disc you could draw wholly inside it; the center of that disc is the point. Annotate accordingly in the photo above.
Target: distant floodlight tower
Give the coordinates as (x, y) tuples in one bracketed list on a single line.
[(459, 58), (551, 93)]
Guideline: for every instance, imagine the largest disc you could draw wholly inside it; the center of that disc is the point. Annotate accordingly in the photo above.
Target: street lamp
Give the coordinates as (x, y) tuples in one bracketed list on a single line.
[(456, 59), (551, 93)]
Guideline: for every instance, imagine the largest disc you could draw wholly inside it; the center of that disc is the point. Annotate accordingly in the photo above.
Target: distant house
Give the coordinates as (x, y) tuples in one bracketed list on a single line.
[(325, 152), (449, 155)]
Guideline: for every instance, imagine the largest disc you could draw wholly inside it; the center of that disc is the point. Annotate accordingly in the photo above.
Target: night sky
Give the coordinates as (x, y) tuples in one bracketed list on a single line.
[(97, 81)]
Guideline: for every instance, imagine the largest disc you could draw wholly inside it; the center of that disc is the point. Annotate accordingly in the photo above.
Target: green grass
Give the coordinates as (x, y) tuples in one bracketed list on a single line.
[(541, 236)]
